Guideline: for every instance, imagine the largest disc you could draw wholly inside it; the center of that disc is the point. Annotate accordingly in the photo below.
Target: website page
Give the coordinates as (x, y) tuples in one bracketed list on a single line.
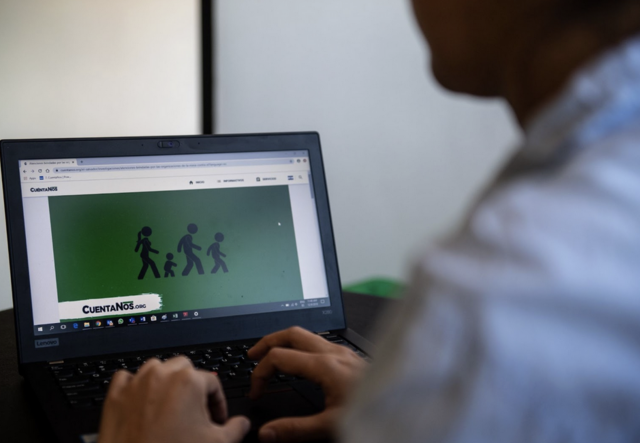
[(116, 242)]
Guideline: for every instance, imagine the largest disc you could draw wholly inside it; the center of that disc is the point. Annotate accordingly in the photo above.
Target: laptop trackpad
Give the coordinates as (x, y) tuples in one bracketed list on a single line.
[(283, 403)]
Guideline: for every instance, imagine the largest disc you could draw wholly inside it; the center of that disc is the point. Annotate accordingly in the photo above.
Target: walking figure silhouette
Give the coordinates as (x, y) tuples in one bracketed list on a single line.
[(145, 244), (214, 252), (186, 244)]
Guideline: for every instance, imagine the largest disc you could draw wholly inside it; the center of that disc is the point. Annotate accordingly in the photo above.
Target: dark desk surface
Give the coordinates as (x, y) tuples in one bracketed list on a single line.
[(20, 420)]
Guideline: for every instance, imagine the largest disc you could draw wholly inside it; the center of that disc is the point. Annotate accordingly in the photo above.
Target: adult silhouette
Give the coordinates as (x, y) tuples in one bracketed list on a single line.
[(186, 244), (145, 244), (214, 252)]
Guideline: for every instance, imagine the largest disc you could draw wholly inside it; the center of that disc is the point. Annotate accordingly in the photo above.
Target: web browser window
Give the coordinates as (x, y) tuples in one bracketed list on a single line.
[(139, 240)]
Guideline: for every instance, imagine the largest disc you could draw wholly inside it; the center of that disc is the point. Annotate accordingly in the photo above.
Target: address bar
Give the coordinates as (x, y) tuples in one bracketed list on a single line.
[(116, 168)]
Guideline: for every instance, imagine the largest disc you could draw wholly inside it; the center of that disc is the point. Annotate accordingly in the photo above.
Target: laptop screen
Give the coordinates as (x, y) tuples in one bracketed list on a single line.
[(126, 242)]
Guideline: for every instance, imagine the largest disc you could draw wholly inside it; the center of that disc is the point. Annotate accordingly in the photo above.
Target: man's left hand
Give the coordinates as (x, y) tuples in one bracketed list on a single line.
[(168, 402)]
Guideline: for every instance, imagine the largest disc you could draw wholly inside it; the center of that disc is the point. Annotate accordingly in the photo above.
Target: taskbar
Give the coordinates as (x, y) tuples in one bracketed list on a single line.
[(143, 319)]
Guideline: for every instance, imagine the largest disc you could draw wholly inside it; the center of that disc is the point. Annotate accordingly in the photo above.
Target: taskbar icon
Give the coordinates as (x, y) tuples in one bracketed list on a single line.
[(124, 321)]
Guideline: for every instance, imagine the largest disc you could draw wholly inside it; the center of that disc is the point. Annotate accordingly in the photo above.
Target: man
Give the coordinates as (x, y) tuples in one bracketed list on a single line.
[(524, 326)]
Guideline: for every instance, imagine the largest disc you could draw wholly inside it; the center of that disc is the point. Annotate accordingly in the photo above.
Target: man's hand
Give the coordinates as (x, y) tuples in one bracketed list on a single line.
[(298, 352), (168, 402)]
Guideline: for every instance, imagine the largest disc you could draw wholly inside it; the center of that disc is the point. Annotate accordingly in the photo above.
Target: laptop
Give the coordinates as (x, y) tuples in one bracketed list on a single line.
[(122, 249)]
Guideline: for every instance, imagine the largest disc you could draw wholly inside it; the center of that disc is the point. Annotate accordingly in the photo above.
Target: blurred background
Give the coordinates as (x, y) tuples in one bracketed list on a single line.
[(403, 158)]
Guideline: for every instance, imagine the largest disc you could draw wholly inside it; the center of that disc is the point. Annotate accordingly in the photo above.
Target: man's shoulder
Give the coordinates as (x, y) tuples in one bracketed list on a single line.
[(573, 229)]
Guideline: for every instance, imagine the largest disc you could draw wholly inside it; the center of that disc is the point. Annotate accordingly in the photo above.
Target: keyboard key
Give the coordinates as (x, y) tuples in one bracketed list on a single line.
[(236, 383), (78, 383), (62, 367), (72, 378), (132, 367), (88, 392), (88, 370), (236, 353), (64, 373), (234, 393), (81, 403)]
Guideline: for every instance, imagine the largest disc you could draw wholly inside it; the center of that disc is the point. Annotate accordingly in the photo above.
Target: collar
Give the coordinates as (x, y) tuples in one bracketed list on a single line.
[(601, 97)]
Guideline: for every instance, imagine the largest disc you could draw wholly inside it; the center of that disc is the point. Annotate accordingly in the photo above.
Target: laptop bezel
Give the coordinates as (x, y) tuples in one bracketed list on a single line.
[(93, 343)]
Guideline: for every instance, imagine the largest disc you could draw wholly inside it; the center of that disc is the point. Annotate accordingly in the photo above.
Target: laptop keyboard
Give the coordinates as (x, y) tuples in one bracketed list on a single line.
[(85, 383)]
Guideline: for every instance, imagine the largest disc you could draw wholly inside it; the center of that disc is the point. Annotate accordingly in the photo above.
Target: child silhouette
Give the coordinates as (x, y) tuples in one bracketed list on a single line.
[(214, 252), (168, 265)]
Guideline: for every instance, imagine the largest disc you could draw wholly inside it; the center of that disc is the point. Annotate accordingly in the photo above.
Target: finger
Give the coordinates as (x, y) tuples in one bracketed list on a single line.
[(153, 371), (153, 376), (177, 363), (118, 382), (147, 366), (295, 337), (234, 430), (111, 416), (289, 361), (215, 393), (288, 430)]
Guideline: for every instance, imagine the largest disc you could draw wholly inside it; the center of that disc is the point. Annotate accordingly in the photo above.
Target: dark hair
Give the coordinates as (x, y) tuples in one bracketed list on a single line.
[(614, 20)]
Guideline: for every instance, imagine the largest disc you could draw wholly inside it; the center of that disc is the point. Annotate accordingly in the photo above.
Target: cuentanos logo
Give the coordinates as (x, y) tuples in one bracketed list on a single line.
[(100, 307), (49, 189), (116, 307)]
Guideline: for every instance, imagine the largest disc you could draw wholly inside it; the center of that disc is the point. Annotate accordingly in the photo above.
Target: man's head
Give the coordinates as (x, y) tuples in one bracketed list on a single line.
[(475, 42)]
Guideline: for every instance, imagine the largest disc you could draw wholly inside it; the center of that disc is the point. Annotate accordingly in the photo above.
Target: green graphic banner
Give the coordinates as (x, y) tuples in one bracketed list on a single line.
[(168, 243)]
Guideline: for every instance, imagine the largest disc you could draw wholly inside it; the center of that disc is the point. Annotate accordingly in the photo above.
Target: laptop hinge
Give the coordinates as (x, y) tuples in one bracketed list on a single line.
[(56, 362)]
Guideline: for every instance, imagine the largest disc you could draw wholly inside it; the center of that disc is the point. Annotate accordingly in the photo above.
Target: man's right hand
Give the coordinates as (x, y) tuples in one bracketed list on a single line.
[(298, 352)]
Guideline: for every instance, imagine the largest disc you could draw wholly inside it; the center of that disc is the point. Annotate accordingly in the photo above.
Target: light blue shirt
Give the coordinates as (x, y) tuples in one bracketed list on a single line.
[(525, 327)]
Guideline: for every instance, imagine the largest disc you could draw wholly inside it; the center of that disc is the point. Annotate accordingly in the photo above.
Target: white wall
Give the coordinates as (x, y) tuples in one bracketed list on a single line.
[(73, 68), (403, 158)]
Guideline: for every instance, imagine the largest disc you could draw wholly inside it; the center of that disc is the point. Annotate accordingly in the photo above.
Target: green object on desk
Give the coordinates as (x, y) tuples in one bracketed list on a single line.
[(381, 287)]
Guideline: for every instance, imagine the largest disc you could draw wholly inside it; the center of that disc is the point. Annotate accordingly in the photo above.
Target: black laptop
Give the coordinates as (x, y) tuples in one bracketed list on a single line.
[(122, 249)]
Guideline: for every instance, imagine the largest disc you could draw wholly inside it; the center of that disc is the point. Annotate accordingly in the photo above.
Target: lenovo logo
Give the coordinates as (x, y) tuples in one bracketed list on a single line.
[(47, 343)]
